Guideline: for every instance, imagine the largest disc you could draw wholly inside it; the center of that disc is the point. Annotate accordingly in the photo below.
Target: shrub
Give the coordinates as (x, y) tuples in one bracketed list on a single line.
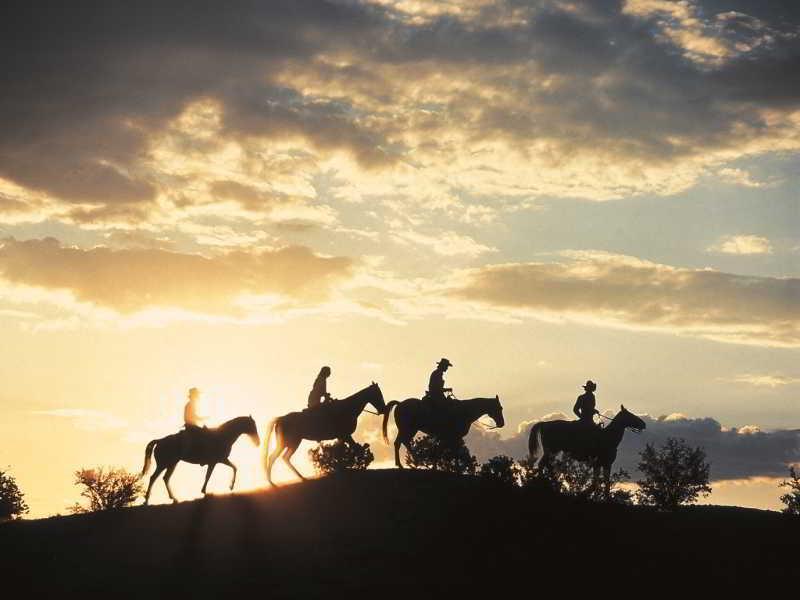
[(431, 452), (570, 477), (12, 500), (674, 474), (106, 489), (338, 456), (792, 499), (501, 469)]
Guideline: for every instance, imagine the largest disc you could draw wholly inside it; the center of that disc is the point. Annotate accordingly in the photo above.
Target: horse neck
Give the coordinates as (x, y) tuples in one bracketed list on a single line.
[(232, 429), (358, 400), (616, 429), (477, 407)]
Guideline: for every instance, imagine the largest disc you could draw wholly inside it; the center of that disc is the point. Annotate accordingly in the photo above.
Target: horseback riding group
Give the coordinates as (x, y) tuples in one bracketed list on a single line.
[(438, 413)]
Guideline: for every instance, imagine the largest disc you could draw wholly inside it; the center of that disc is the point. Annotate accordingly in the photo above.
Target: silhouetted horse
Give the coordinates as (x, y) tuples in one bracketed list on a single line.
[(451, 423), (210, 446), (588, 444), (331, 420)]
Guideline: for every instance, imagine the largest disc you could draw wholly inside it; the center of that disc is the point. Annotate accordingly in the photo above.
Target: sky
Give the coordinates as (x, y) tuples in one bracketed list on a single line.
[(230, 195)]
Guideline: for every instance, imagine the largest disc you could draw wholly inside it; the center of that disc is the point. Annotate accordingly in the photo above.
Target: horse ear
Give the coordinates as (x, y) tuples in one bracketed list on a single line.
[(622, 406), (497, 397)]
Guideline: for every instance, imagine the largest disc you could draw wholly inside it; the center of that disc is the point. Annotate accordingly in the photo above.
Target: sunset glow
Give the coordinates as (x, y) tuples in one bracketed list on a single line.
[(544, 192)]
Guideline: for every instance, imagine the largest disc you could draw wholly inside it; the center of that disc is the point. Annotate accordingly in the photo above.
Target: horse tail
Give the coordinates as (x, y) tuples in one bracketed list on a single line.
[(386, 414), (148, 457), (270, 427), (534, 440)]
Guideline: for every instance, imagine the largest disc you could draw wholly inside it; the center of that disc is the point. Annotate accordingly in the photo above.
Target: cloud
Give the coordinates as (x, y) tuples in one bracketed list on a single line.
[(131, 280), (733, 453), (508, 99), (765, 380), (742, 245), (739, 177), (621, 291), (85, 419), (444, 243)]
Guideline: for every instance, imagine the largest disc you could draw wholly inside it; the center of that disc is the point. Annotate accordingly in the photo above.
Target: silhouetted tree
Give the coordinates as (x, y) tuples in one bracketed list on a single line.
[(674, 474), (569, 477), (12, 500), (106, 489), (430, 452), (502, 469), (338, 456), (792, 499)]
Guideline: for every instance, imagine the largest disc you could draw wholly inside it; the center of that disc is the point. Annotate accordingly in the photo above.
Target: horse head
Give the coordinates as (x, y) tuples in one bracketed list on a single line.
[(251, 430), (376, 398), (495, 412), (630, 420)]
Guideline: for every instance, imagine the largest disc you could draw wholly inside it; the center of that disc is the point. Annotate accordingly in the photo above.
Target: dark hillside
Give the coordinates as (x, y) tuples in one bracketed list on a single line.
[(390, 532)]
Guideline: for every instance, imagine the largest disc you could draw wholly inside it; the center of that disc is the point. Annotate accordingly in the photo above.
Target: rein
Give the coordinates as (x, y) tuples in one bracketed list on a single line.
[(633, 429)]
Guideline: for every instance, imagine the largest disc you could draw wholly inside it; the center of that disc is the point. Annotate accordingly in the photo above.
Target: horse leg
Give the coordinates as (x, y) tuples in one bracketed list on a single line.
[(228, 462), (209, 470), (287, 458), (607, 478), (397, 462), (271, 461), (167, 475), (153, 477)]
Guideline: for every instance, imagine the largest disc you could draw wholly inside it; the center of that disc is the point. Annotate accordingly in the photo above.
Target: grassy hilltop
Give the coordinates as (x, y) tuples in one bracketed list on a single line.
[(389, 532)]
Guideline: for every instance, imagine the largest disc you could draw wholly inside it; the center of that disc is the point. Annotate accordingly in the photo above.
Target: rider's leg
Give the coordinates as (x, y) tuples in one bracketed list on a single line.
[(228, 462)]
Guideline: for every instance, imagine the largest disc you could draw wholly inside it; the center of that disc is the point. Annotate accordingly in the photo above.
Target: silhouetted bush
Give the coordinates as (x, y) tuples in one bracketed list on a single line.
[(792, 499), (338, 456), (431, 452), (106, 489), (675, 474), (569, 477), (12, 500), (501, 469)]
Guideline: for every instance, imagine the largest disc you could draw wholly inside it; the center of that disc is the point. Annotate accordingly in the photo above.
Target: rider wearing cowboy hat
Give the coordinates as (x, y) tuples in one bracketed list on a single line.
[(436, 390), (585, 404)]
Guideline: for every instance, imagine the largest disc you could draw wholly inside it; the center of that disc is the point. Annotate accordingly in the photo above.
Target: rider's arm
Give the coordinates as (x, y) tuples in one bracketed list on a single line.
[(577, 406)]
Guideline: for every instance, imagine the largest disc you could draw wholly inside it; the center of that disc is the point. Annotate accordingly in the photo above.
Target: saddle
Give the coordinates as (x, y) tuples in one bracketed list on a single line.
[(321, 408), (193, 440), (441, 412)]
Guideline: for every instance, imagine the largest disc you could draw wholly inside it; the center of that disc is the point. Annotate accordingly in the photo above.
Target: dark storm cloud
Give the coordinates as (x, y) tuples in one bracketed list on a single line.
[(733, 454), (86, 85)]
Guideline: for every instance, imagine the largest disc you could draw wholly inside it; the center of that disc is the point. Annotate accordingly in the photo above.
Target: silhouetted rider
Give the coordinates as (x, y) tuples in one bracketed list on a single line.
[(192, 423), (320, 388), (585, 404), (191, 418), (436, 390)]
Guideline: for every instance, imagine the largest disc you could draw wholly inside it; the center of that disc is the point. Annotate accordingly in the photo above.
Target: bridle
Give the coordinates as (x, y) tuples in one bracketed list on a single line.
[(633, 429)]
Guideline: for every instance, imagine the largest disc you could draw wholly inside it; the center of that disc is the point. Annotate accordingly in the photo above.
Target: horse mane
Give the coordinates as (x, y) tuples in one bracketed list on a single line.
[(231, 423), (359, 393)]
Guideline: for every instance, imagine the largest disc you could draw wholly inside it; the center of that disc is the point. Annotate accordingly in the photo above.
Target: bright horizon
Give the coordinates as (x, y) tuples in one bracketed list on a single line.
[(543, 192)]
